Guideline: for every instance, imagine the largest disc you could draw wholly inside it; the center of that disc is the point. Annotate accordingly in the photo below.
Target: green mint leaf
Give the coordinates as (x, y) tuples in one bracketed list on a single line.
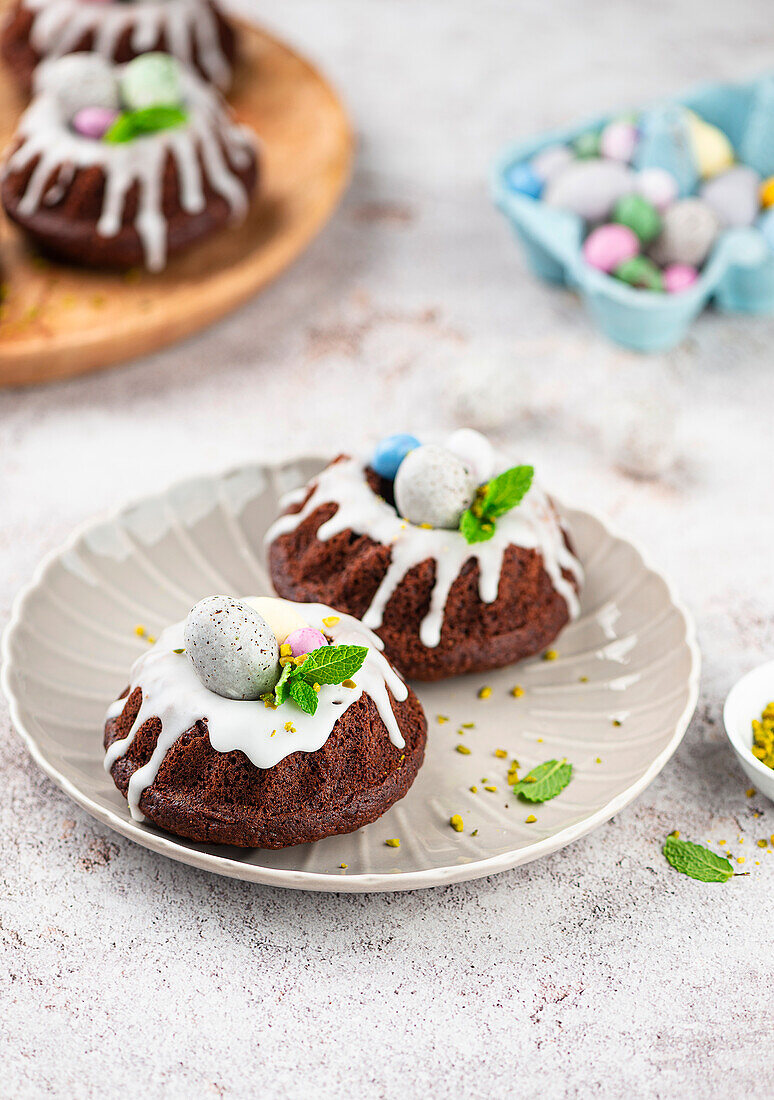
[(475, 530), (148, 120), (545, 781), (506, 490), (303, 695), (282, 687), (696, 861), (331, 664)]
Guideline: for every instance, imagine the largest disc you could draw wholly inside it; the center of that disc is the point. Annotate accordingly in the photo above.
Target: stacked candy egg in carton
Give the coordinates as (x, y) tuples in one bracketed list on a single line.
[(655, 191)]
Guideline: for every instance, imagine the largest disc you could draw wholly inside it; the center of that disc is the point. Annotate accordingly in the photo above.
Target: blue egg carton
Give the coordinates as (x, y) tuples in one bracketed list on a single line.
[(738, 275)]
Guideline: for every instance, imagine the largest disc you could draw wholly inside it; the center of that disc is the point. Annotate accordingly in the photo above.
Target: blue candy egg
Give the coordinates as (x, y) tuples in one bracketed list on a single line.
[(766, 226), (521, 178), (390, 452)]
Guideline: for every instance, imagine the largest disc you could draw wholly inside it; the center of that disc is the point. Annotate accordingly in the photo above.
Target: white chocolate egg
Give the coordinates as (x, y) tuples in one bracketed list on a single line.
[(77, 81), (434, 487), (281, 616), (590, 188), (476, 452), (232, 648), (734, 196)]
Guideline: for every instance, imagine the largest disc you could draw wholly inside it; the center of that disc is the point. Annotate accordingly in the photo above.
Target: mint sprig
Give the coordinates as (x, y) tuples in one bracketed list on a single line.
[(545, 781), (493, 500), (696, 861), (147, 120), (330, 664)]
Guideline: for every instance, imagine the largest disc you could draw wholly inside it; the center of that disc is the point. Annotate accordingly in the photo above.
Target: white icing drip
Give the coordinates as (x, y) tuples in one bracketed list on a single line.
[(188, 25), (45, 134), (533, 525), (172, 692)]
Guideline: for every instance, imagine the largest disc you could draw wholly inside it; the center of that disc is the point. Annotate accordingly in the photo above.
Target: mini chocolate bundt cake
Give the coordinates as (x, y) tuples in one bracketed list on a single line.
[(261, 723), (125, 166), (194, 31), (459, 564)]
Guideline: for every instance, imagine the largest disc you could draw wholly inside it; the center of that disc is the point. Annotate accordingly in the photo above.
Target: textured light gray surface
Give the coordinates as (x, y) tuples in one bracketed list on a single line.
[(597, 971)]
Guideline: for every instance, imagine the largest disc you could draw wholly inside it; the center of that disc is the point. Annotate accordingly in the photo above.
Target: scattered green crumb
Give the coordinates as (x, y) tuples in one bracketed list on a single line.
[(463, 749), (583, 679), (178, 651), (598, 760), (501, 754), (140, 630), (344, 866), (491, 787), (484, 692), (517, 691), (763, 739), (741, 859), (474, 833), (750, 792), (540, 740), (468, 725), (616, 722), (530, 819), (762, 843), (474, 789), (441, 718), (550, 655), (456, 823), (393, 842), (150, 639)]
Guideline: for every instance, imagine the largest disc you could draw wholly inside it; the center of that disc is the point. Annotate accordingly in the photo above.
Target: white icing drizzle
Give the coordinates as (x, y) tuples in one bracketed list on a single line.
[(532, 525), (189, 26), (172, 692), (45, 134)]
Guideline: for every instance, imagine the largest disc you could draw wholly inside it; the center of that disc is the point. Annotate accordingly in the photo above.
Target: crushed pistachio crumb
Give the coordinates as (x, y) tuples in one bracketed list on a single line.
[(540, 740), (289, 727), (550, 655), (761, 843), (393, 842), (348, 684), (441, 718), (316, 687), (517, 691), (150, 639), (456, 823), (617, 722), (468, 725), (474, 833), (583, 679), (530, 820), (598, 760), (763, 737), (344, 866), (750, 792), (501, 754), (331, 620), (473, 789), (491, 787), (463, 749), (178, 651), (285, 650), (484, 692), (140, 630), (722, 842), (740, 859)]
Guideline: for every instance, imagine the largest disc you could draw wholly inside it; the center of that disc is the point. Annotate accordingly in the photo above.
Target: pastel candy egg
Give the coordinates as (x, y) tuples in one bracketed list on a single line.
[(549, 162), (281, 615), (232, 648), (390, 452), (767, 192), (305, 640), (94, 122), (434, 487), (586, 145), (522, 178), (78, 81), (640, 272), (734, 196), (712, 150), (689, 229), (608, 246), (678, 277), (658, 186), (476, 452), (618, 141), (590, 188), (151, 80), (640, 216)]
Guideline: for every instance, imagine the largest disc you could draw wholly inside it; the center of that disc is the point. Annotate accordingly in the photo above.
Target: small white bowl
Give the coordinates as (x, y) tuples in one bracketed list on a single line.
[(745, 701)]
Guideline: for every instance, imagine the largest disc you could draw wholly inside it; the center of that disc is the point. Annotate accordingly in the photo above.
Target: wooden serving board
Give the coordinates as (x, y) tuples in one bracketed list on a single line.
[(57, 321)]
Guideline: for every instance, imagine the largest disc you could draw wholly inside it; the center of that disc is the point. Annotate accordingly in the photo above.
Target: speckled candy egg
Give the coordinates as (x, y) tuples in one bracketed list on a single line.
[(232, 648), (476, 452), (151, 80), (658, 186), (590, 188), (305, 640), (618, 141), (78, 81), (390, 452), (734, 196), (551, 161), (434, 487), (688, 232), (608, 246)]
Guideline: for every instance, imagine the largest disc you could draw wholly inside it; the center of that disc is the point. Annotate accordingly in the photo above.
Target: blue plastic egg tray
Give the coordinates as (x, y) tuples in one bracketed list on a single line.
[(738, 276)]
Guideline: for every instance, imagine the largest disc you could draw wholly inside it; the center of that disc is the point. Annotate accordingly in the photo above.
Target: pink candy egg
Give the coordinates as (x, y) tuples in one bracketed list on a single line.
[(610, 245), (94, 122), (618, 141), (304, 640), (679, 277)]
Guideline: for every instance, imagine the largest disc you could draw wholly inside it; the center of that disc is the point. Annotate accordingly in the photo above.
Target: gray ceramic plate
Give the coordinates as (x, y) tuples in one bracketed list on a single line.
[(630, 659)]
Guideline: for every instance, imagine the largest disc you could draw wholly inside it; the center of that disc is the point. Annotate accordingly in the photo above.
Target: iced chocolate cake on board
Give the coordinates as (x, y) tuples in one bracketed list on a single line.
[(264, 723), (456, 558)]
